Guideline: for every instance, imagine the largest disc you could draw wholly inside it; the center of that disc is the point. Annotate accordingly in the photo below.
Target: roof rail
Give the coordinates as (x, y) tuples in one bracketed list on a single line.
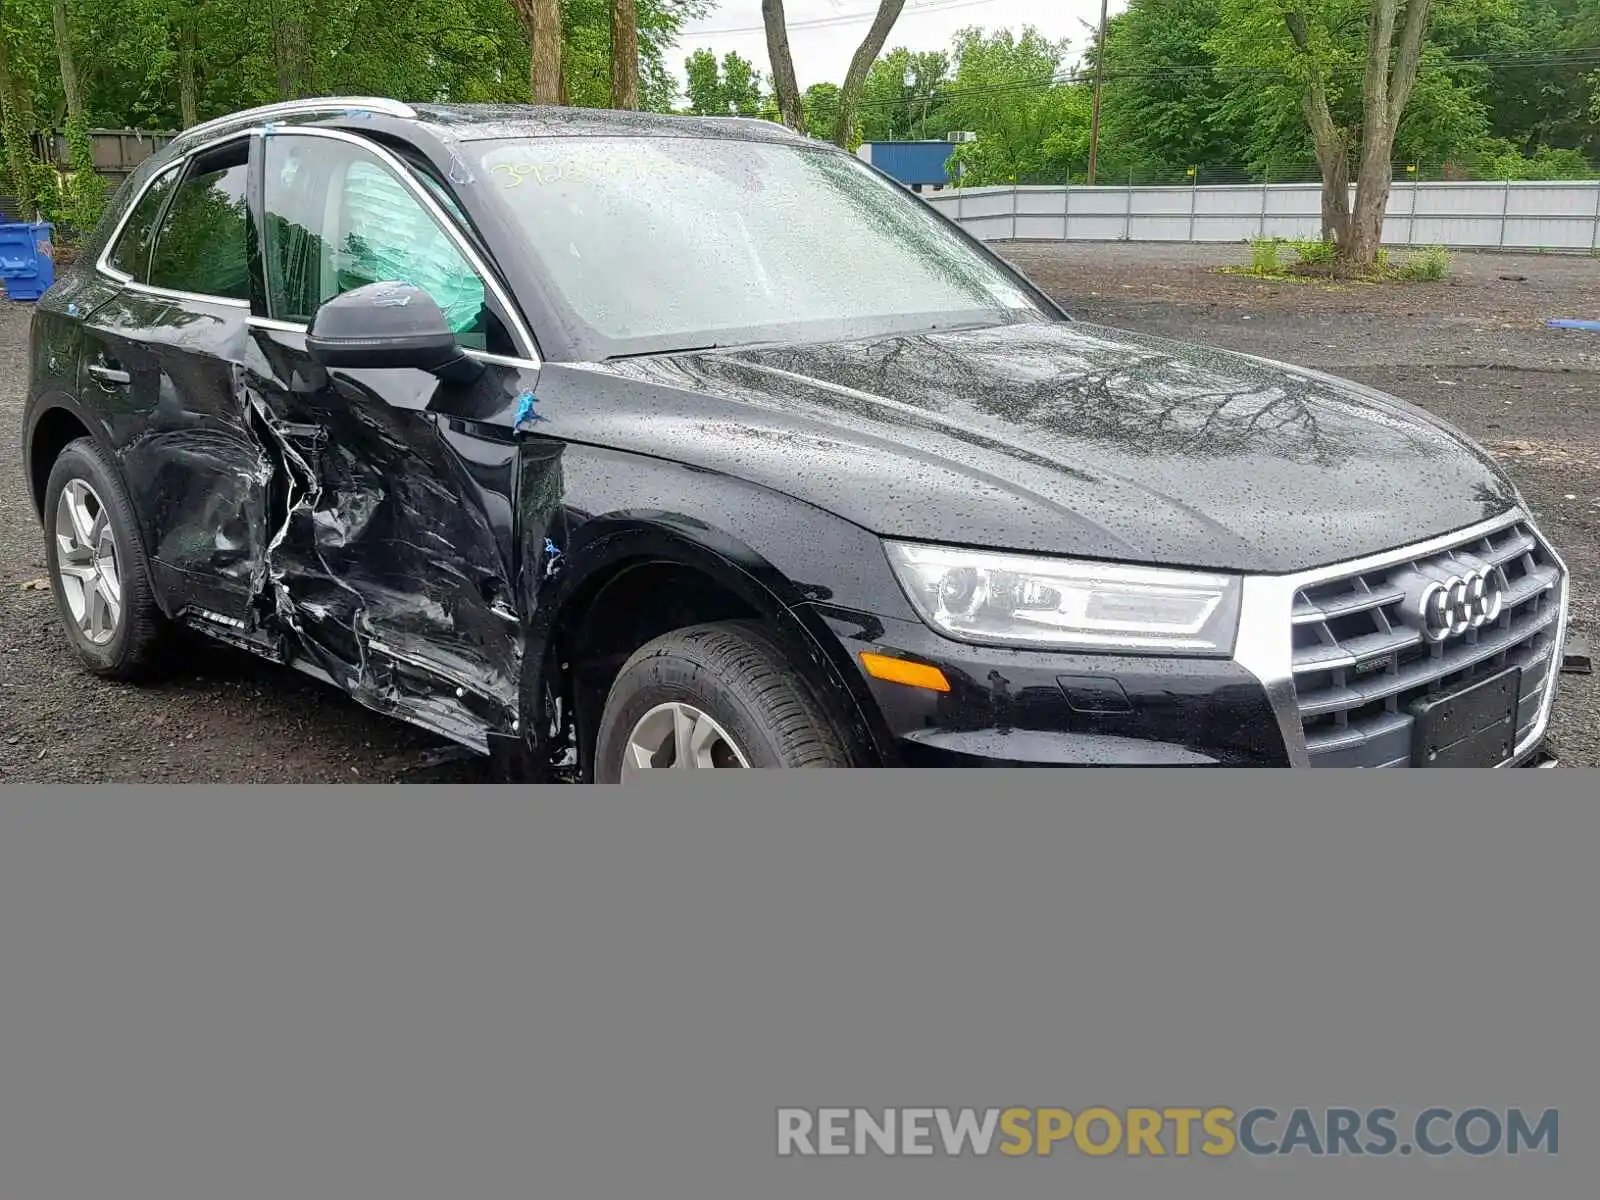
[(289, 108)]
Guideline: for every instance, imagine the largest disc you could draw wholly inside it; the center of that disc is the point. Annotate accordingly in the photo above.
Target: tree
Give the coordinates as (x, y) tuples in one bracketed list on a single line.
[(624, 55), (731, 88), (1164, 108), (1352, 96), (541, 19), (69, 70), (784, 86), (901, 93), (789, 103), (705, 83), (866, 53), (1028, 126), (741, 85), (821, 104)]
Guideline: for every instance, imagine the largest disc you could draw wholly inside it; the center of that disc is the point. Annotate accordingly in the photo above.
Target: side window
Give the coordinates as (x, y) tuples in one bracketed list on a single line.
[(338, 218), (131, 254), (203, 243)]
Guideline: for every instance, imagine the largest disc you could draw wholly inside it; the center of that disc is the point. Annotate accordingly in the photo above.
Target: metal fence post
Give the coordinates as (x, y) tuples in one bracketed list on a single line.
[(1013, 212), (1261, 232), (1066, 211), (1194, 196), (1505, 209), (1594, 242), (1127, 212)]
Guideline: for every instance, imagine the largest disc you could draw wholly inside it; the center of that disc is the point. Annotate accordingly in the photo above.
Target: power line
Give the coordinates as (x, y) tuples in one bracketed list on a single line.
[(839, 19)]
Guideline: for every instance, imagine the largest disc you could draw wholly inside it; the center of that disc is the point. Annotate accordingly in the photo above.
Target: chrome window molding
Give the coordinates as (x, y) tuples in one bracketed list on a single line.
[(306, 107), (103, 263), (1265, 646), (273, 323), (175, 294)]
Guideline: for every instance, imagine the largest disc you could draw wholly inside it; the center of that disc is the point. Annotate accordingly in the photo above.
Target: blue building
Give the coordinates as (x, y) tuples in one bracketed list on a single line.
[(915, 164)]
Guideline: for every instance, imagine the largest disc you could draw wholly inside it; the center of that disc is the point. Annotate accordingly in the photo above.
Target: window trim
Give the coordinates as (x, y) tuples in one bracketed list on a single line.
[(520, 333), (180, 165)]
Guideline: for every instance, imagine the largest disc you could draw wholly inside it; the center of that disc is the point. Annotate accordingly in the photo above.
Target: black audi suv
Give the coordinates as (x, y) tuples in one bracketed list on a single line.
[(600, 442)]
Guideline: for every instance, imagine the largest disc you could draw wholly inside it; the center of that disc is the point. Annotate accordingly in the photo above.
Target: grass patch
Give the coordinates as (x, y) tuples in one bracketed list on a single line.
[(1264, 257), (1317, 254), (1319, 260), (1428, 265)]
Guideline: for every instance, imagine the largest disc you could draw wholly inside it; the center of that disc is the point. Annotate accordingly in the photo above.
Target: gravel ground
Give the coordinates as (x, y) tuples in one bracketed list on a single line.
[(1474, 349)]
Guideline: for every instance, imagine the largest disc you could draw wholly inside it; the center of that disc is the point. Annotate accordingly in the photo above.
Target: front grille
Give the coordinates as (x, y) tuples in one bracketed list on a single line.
[(1358, 668)]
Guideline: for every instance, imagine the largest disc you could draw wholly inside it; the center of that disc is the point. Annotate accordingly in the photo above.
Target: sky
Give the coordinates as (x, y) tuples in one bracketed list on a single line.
[(822, 51)]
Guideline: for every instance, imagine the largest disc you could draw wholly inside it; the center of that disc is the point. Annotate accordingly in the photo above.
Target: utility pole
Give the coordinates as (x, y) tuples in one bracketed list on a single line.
[(1099, 71)]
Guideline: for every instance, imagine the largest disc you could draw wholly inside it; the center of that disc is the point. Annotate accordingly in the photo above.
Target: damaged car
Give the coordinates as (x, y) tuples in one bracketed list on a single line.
[(601, 442)]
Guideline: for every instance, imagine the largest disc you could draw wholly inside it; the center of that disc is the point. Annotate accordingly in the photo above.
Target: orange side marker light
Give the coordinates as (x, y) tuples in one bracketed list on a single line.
[(898, 670)]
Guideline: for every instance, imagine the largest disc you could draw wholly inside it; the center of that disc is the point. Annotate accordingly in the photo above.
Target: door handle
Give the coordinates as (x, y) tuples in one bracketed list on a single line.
[(108, 374)]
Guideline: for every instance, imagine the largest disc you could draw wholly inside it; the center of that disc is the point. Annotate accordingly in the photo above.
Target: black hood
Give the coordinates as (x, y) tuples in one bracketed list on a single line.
[(1063, 438)]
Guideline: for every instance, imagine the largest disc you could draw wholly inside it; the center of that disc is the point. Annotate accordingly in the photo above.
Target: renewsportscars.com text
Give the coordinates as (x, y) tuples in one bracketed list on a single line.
[(1162, 1132)]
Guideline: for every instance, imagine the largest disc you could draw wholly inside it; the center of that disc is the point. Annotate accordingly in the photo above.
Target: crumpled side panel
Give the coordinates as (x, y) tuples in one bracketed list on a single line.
[(382, 566)]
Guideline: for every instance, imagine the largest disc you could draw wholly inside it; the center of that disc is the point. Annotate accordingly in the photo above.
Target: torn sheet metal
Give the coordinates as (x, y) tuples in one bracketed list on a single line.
[(387, 566)]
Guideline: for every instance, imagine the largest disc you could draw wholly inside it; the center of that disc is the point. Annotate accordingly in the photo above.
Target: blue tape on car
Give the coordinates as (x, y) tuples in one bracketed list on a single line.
[(525, 411)]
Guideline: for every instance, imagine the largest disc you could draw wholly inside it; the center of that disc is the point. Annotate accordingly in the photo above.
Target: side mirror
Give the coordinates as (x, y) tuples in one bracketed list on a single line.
[(387, 326)]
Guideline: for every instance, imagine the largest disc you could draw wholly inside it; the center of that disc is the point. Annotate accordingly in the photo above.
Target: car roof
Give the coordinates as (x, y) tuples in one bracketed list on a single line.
[(471, 122), (476, 122)]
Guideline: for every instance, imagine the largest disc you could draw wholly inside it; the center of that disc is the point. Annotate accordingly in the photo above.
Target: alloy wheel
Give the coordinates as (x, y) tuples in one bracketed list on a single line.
[(680, 736), (88, 572)]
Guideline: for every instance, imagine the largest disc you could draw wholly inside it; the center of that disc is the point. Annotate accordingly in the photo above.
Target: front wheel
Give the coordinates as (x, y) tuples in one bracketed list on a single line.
[(721, 695)]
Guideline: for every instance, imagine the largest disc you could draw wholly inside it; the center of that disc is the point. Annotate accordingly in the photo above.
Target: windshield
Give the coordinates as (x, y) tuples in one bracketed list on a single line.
[(662, 244)]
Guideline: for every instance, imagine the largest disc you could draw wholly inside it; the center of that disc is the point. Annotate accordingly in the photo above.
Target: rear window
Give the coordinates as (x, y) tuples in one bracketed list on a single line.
[(203, 245), (131, 254)]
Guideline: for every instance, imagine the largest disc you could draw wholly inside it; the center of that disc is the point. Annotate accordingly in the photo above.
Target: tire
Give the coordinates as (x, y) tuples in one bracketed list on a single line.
[(739, 675), (133, 649)]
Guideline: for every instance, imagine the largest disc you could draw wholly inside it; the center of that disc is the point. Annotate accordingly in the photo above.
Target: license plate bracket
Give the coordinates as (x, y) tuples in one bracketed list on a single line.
[(1475, 727)]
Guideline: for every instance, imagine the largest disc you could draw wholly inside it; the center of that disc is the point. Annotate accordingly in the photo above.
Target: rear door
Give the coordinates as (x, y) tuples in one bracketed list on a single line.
[(161, 358), (396, 563)]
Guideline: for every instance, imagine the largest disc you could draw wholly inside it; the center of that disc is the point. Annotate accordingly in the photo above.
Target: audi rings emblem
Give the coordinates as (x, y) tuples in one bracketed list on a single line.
[(1445, 600)]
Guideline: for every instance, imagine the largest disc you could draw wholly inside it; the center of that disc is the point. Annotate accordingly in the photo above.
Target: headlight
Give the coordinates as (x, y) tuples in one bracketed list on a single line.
[(1013, 600)]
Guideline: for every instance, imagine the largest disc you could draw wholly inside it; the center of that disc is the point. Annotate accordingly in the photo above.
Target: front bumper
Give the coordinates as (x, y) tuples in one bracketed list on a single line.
[(1012, 707), (1029, 708)]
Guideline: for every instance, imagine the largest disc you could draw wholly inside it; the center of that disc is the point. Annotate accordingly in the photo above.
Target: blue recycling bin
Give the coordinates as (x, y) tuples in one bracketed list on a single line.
[(26, 266)]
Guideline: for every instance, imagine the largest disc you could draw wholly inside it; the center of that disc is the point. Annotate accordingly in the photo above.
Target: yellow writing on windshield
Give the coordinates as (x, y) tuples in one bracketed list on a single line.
[(643, 170)]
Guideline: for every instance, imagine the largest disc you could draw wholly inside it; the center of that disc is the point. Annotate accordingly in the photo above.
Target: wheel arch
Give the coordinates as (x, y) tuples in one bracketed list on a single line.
[(690, 573), (53, 425)]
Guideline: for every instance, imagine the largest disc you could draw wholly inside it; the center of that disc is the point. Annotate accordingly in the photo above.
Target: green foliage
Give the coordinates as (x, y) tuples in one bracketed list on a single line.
[(1425, 266), (1029, 129), (729, 88), (82, 195), (821, 104), (899, 100), (1316, 253), (1501, 160), (1164, 107), (249, 53), (1264, 256)]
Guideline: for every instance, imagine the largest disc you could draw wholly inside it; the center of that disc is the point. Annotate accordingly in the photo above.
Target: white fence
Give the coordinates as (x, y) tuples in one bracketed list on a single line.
[(1551, 216)]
